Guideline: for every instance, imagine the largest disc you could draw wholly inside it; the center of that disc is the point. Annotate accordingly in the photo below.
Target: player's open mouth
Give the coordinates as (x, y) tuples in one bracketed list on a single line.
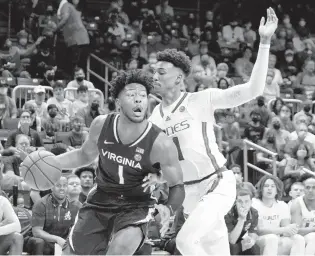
[(137, 111)]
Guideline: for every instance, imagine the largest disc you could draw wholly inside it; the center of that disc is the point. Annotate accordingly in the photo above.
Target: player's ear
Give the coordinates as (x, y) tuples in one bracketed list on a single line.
[(117, 101), (179, 79)]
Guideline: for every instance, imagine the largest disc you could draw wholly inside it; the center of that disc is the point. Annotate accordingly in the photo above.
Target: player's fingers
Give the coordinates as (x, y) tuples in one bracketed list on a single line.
[(145, 178), (262, 21)]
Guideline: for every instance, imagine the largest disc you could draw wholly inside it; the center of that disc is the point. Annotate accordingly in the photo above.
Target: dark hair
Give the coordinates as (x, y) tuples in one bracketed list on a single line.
[(79, 171), (227, 83), (129, 77), (276, 180), (274, 105), (178, 58), (305, 177), (50, 106), (111, 104), (77, 69), (59, 148), (296, 148), (48, 68), (58, 84), (82, 88), (244, 192)]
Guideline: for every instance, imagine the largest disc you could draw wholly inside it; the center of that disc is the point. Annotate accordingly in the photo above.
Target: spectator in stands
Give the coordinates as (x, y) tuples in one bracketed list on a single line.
[(255, 129), (87, 176), (82, 99), (74, 32), (222, 72), (306, 79), (250, 35), (52, 124), (203, 49), (287, 26), (276, 235), (135, 54), (7, 105), (285, 114), (93, 110), (296, 190), (276, 106), (193, 44), (36, 121), (46, 225), (24, 128), (233, 33), (240, 183), (165, 43), (132, 64), (231, 129), (79, 79), (49, 76), (289, 66), (277, 74), (263, 110), (300, 160), (302, 29), (64, 105), (272, 89), (164, 11), (189, 25), (11, 241), (300, 131), (244, 66), (77, 136), (74, 187), (49, 17), (241, 222), (39, 104), (302, 212)]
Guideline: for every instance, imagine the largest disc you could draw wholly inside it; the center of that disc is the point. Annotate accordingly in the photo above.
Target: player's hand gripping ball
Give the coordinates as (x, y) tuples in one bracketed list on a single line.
[(40, 170)]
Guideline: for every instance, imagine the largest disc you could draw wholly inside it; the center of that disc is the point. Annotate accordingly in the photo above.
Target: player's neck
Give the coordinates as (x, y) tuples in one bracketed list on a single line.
[(268, 201), (86, 190), (170, 97)]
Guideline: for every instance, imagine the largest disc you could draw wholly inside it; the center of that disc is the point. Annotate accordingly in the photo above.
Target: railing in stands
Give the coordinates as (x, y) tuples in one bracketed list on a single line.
[(289, 101), (252, 145), (25, 92), (91, 91), (90, 72)]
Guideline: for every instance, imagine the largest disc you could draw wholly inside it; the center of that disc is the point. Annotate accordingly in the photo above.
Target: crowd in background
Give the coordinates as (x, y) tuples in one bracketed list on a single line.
[(127, 35)]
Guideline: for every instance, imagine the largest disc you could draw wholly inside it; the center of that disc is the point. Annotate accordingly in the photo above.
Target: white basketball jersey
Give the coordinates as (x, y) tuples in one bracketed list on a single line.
[(194, 138), (308, 217)]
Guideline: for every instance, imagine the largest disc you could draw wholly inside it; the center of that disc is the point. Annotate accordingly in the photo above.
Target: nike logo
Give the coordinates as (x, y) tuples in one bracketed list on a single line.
[(107, 142)]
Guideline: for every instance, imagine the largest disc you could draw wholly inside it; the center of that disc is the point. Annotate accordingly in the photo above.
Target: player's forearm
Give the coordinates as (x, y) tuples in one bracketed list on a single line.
[(267, 231), (305, 231), (10, 228), (236, 232), (74, 159), (176, 197), (39, 233)]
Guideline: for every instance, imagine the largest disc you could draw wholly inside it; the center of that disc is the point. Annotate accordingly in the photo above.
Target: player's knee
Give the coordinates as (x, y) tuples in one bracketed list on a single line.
[(271, 240), (37, 242), (299, 240), (17, 239)]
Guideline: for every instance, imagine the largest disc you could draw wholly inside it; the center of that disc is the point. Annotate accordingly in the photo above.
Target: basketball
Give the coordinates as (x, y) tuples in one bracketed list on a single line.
[(40, 170)]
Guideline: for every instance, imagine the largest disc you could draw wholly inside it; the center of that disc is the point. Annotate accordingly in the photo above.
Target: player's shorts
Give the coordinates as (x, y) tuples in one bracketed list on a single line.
[(103, 215)]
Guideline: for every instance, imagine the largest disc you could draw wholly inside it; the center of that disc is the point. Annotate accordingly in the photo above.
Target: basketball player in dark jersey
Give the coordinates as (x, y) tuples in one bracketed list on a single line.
[(114, 218)]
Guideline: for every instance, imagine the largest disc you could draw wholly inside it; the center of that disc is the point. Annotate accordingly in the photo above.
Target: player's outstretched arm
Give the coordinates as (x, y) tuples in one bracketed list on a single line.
[(164, 152), (240, 94), (88, 152)]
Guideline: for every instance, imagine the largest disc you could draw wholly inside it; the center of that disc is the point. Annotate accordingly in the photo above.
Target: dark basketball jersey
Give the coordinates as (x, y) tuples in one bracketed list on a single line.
[(122, 167)]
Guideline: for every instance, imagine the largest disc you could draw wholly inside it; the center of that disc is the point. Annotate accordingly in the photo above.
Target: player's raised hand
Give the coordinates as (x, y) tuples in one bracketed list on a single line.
[(268, 28), (165, 214)]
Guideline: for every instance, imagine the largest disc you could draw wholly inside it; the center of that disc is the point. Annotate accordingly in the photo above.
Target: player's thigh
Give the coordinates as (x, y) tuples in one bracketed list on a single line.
[(91, 231), (267, 241), (218, 246), (285, 245), (310, 238)]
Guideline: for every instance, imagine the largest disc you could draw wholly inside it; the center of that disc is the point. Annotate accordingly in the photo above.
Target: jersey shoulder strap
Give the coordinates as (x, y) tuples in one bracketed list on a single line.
[(108, 123)]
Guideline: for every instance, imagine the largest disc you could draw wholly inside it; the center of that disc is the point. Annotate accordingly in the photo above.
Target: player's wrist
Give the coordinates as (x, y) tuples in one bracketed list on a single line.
[(264, 41)]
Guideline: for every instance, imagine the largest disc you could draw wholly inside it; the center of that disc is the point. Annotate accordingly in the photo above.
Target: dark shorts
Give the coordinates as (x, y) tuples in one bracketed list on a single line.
[(101, 217)]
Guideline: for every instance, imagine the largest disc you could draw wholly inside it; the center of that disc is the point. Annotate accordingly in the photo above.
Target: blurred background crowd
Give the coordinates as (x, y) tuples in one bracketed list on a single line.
[(57, 58)]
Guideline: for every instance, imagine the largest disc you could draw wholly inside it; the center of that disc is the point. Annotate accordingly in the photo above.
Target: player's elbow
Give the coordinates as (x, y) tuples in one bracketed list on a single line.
[(16, 226)]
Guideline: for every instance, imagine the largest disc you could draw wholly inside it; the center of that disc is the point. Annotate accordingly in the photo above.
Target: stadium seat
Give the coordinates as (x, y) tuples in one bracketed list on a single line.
[(4, 134)]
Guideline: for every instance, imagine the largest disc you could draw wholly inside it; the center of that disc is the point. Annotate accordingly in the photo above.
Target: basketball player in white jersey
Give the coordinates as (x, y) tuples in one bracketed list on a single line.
[(303, 213), (189, 118)]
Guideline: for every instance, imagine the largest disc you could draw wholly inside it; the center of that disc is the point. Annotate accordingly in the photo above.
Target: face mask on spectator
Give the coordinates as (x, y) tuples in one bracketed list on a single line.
[(260, 103), (255, 119), (307, 108), (52, 114), (80, 78), (95, 106), (222, 73), (50, 77), (301, 153), (271, 140), (276, 126)]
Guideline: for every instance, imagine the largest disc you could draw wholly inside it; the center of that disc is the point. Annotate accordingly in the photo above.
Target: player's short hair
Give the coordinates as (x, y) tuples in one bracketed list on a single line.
[(244, 192), (178, 58), (79, 171), (261, 183), (133, 76), (305, 177)]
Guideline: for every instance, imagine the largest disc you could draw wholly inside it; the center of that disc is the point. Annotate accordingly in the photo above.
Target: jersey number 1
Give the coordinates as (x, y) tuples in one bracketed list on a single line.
[(180, 153), (121, 174)]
